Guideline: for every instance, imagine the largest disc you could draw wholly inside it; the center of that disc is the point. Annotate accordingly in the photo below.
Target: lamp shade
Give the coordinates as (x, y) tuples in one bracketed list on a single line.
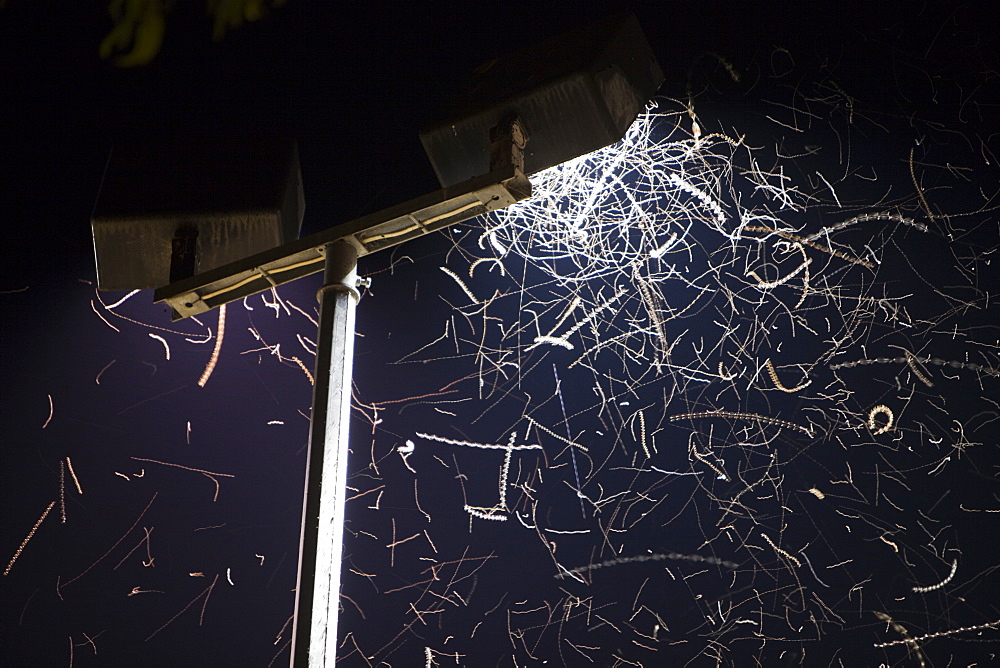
[(574, 94), (169, 211)]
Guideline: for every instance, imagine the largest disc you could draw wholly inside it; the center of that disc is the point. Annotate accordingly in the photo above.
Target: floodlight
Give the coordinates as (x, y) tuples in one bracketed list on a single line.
[(167, 212), (574, 93)]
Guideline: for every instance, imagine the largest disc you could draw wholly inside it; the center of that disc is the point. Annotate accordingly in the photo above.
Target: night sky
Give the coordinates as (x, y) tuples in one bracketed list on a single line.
[(777, 418)]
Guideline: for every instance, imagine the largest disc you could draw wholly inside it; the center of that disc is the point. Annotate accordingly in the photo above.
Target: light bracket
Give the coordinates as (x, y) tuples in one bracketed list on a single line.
[(373, 232)]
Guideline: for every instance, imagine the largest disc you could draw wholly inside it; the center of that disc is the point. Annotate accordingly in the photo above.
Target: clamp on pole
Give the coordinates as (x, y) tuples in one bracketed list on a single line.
[(341, 270)]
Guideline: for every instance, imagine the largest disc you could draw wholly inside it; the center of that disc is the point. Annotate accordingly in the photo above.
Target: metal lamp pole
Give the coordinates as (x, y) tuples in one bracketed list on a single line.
[(317, 597)]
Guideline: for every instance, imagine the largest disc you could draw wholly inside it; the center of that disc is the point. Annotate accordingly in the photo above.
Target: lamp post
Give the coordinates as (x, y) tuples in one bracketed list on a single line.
[(551, 103), (314, 634)]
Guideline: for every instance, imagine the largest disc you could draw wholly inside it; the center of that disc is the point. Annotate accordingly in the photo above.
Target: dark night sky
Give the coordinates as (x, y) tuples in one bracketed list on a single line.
[(850, 93)]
